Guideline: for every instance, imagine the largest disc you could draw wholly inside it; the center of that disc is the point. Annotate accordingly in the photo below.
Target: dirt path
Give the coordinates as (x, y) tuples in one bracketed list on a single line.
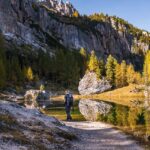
[(100, 136)]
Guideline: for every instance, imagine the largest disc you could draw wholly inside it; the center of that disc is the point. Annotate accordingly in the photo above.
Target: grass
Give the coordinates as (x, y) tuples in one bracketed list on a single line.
[(123, 96), (58, 111)]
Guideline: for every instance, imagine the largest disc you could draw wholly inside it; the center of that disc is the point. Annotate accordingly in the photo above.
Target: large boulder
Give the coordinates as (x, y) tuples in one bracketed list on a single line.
[(37, 98), (90, 84), (92, 109), (22, 128)]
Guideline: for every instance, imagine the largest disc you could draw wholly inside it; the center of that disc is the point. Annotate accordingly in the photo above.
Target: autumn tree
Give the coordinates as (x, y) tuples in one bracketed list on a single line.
[(118, 75), (75, 14), (94, 64), (146, 71), (130, 74), (123, 73), (29, 74)]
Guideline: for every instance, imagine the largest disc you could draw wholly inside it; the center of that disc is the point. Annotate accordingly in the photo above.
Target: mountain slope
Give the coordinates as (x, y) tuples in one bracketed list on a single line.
[(44, 26)]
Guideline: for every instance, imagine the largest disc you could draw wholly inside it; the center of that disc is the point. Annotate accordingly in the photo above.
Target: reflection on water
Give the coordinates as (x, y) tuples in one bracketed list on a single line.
[(136, 119)]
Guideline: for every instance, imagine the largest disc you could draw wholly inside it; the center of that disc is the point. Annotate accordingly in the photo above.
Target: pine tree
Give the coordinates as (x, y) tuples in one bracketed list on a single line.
[(102, 68), (2, 74), (15, 70), (2, 63), (110, 69), (94, 64), (84, 56)]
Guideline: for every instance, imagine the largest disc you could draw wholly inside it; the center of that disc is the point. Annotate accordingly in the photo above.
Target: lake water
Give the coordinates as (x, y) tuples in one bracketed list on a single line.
[(135, 120)]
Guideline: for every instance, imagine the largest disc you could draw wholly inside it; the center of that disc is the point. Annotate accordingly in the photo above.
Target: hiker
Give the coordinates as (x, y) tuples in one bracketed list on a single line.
[(68, 104)]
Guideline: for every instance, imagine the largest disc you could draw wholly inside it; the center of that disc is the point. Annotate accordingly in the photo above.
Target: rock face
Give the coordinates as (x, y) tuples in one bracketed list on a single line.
[(89, 84), (37, 98), (59, 6), (22, 128), (43, 25), (92, 109)]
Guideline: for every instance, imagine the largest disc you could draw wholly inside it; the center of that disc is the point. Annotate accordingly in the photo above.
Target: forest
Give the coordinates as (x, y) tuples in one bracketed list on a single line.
[(65, 68)]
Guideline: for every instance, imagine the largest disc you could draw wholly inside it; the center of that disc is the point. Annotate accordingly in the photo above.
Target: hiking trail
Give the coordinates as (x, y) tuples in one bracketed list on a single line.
[(101, 136)]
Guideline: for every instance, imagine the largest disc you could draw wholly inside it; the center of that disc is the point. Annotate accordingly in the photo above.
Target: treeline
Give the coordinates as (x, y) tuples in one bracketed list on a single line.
[(18, 67), (118, 74), (64, 67)]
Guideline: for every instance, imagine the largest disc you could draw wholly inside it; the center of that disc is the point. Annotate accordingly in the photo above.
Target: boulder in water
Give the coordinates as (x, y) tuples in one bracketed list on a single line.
[(37, 98)]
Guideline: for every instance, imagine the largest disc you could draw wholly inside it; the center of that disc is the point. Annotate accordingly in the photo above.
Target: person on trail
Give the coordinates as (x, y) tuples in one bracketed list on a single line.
[(68, 104)]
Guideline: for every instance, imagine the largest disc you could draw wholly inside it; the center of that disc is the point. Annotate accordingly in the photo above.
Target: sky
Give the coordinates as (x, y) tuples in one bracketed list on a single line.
[(136, 12)]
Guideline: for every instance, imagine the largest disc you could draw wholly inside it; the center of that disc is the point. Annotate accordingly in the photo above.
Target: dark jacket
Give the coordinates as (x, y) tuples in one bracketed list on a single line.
[(68, 100)]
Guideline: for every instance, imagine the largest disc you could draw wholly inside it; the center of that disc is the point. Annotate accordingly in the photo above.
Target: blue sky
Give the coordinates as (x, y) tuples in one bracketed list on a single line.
[(136, 12)]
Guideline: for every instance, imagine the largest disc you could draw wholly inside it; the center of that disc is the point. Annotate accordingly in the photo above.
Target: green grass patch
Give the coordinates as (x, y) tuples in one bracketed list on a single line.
[(58, 110)]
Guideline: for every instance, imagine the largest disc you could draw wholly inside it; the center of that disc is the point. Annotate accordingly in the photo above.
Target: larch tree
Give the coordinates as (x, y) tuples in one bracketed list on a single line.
[(94, 64), (75, 14), (123, 73), (118, 76), (130, 74), (146, 71), (29, 74)]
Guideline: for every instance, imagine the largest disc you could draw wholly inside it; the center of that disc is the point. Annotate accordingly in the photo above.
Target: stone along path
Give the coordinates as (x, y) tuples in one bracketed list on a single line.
[(100, 136)]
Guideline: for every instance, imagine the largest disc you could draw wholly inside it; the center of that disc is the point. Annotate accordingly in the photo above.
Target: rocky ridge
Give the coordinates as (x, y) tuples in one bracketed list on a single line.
[(37, 24)]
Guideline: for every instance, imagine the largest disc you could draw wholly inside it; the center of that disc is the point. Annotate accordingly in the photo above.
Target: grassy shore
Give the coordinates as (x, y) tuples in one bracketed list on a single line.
[(124, 96)]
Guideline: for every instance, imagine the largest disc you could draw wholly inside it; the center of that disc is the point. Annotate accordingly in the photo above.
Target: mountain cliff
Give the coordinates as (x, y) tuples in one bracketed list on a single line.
[(37, 22), (48, 25)]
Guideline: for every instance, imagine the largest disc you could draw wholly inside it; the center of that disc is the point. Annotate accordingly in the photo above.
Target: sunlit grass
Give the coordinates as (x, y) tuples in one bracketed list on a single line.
[(124, 96)]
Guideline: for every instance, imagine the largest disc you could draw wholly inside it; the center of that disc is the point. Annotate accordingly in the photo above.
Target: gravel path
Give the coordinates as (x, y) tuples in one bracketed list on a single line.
[(100, 136)]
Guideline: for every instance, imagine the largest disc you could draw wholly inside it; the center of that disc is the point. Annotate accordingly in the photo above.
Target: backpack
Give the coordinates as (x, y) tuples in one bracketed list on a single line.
[(69, 100)]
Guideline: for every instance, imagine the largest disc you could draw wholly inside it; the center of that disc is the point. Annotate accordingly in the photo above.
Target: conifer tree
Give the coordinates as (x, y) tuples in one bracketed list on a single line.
[(130, 74), (2, 63), (94, 64), (118, 75), (29, 74), (84, 56), (110, 69), (102, 68), (75, 14), (146, 71), (2, 74), (123, 73)]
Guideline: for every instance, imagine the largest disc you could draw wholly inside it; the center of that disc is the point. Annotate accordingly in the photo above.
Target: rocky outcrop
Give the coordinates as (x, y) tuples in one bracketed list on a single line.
[(90, 84), (37, 24), (37, 98), (22, 128), (91, 109), (59, 6)]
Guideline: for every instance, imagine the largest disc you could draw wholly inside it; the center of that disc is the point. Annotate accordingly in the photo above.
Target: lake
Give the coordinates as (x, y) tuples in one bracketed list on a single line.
[(134, 120)]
